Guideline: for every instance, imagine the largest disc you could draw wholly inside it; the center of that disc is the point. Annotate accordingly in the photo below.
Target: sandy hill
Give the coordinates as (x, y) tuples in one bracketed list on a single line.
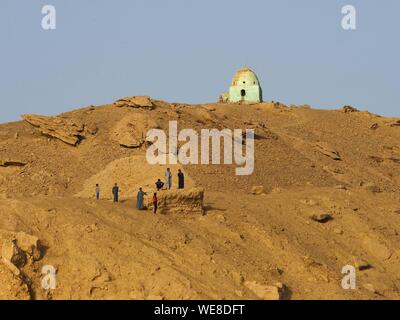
[(331, 198)]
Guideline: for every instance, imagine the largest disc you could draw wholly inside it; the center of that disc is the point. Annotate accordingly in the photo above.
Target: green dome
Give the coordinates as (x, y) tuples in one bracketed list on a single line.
[(245, 77)]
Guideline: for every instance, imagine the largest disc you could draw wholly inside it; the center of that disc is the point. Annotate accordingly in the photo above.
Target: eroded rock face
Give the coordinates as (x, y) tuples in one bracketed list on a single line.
[(395, 123), (181, 201), (10, 252), (66, 130), (18, 252), (362, 264), (19, 248), (327, 150), (12, 163), (29, 244), (322, 217), (135, 102), (131, 131), (265, 292), (374, 126), (257, 190), (349, 109)]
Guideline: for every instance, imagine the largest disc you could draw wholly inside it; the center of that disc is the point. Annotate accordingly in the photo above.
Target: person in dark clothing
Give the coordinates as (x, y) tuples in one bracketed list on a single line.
[(155, 203), (97, 191), (181, 179), (159, 185), (115, 191)]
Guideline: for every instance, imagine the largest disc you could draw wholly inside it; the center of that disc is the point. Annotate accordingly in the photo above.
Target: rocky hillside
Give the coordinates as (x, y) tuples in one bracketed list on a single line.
[(325, 193)]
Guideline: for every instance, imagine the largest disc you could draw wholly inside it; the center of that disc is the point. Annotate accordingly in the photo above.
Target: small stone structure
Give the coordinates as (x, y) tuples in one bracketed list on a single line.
[(188, 201)]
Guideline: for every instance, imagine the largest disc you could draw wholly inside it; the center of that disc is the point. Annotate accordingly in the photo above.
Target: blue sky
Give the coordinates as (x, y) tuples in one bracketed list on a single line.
[(188, 51)]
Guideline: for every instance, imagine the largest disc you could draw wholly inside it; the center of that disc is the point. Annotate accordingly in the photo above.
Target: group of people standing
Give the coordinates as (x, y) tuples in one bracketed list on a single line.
[(140, 195), (168, 180)]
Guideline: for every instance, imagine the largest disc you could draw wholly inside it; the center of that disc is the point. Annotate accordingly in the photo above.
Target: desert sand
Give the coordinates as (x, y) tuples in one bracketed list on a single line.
[(325, 193)]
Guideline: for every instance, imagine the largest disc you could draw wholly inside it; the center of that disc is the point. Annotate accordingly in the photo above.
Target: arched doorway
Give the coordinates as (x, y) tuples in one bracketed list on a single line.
[(243, 93)]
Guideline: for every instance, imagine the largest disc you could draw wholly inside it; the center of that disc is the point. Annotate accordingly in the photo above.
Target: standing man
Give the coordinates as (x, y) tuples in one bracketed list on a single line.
[(115, 191), (181, 179), (168, 178), (97, 191), (140, 199)]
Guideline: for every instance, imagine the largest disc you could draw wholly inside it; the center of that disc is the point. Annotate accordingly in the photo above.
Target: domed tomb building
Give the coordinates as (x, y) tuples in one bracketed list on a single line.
[(245, 88)]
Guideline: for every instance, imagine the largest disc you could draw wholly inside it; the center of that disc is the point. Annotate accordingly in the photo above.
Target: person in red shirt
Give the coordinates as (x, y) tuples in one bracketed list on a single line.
[(155, 203)]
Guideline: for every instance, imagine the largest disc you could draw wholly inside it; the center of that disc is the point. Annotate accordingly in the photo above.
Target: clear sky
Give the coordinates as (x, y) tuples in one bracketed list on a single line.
[(188, 51)]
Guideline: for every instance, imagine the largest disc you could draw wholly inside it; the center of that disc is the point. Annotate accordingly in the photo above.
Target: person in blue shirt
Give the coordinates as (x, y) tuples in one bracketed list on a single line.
[(140, 199), (97, 191)]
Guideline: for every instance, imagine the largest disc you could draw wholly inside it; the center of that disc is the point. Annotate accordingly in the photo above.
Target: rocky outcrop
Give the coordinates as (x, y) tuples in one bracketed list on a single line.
[(327, 150), (181, 201), (19, 249), (265, 292), (374, 126), (257, 190), (395, 123), (12, 163), (131, 131), (30, 245), (66, 130), (321, 217), (135, 102), (362, 264), (349, 109), (12, 254)]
